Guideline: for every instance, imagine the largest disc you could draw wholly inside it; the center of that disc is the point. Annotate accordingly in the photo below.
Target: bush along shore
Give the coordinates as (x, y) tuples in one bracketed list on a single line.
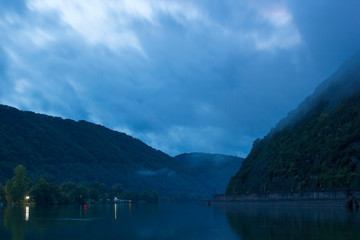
[(45, 191)]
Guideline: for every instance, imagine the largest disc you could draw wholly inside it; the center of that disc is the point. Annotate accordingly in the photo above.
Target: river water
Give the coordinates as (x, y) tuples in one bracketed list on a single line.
[(177, 221)]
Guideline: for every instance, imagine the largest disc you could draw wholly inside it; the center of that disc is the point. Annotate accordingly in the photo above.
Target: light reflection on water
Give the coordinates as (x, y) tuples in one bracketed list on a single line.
[(177, 221), (27, 213), (120, 221)]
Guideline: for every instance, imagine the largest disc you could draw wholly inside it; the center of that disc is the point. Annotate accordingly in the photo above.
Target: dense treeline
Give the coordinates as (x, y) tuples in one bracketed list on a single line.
[(321, 149), (73, 151), (47, 191), (66, 150)]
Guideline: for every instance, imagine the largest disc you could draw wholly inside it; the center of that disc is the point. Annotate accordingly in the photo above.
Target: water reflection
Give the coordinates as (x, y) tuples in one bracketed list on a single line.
[(17, 222), (27, 213), (120, 221), (14, 222), (284, 223), (177, 221)]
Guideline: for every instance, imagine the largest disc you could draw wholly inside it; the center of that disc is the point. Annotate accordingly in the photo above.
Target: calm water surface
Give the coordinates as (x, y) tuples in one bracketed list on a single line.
[(178, 221)]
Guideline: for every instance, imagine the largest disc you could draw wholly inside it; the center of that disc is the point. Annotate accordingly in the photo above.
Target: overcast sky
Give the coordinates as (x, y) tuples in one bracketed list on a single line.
[(182, 76)]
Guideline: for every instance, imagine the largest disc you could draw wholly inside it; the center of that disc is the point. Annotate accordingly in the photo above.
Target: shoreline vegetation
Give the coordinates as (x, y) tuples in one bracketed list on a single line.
[(19, 190)]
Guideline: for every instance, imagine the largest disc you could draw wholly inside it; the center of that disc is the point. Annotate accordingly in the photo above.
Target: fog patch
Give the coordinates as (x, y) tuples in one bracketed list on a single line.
[(151, 173)]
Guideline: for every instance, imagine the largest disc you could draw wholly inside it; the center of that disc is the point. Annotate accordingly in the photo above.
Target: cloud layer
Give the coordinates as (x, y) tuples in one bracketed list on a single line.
[(182, 76)]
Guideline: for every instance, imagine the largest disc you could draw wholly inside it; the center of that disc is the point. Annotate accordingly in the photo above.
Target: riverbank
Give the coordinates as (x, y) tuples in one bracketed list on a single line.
[(339, 198)]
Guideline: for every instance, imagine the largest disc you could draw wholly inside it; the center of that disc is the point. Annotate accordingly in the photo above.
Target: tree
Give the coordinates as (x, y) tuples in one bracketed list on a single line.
[(150, 196), (17, 187), (73, 193), (130, 195), (94, 194), (97, 190), (68, 191), (83, 194), (45, 193), (2, 193), (8, 191), (116, 190)]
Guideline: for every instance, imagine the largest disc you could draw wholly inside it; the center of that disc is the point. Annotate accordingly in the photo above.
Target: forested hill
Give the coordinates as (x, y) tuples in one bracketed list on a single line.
[(66, 150), (69, 150), (317, 146)]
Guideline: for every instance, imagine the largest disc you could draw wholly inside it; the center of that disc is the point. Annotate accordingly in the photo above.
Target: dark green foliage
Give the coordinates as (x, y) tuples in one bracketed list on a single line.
[(2, 193), (73, 193), (150, 196), (94, 194), (130, 195), (116, 190), (17, 187), (97, 191), (45, 193), (321, 149), (82, 152), (74, 151)]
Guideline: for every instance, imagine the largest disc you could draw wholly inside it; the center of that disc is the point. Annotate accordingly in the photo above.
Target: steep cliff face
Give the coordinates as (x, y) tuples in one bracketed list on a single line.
[(316, 146)]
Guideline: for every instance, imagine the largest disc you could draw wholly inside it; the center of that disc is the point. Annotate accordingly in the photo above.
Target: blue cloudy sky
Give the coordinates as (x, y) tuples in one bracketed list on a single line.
[(182, 76)]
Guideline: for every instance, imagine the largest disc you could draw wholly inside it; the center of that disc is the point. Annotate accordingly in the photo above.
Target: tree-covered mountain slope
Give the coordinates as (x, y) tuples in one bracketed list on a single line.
[(66, 150), (76, 151), (317, 146)]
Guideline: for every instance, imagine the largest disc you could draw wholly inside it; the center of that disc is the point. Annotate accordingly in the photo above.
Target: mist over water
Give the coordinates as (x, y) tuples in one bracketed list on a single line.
[(178, 221)]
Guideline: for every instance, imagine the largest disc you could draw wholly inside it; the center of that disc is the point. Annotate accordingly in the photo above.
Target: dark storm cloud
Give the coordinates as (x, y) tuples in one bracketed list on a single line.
[(180, 75)]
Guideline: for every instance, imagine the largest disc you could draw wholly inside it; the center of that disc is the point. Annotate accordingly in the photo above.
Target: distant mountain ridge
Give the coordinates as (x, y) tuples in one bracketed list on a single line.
[(211, 166), (66, 150), (315, 147)]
